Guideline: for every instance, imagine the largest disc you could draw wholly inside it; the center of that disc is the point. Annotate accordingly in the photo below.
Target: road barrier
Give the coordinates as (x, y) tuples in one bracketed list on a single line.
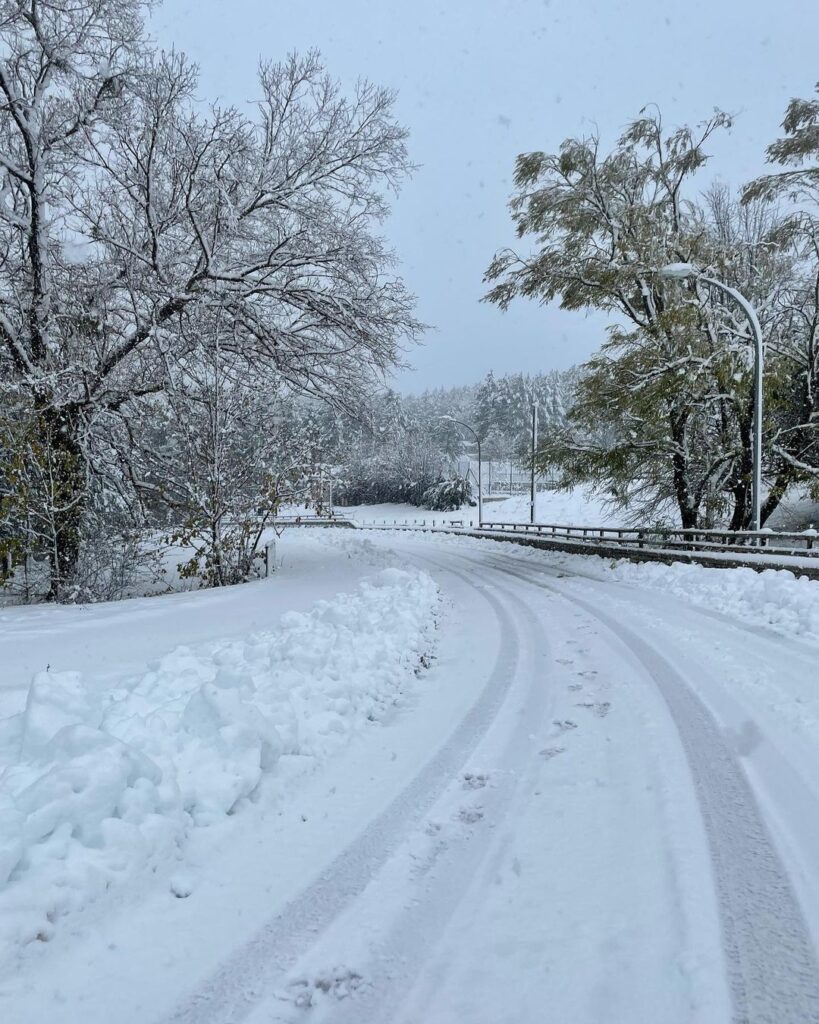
[(755, 549), (801, 544)]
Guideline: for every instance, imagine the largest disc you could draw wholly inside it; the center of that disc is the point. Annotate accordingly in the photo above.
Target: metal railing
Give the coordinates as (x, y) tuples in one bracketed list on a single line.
[(331, 519), (767, 542), (746, 542)]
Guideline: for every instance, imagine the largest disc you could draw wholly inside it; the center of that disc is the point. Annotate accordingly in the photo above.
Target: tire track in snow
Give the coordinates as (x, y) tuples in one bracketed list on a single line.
[(772, 964), (395, 961), (231, 992), (761, 633)]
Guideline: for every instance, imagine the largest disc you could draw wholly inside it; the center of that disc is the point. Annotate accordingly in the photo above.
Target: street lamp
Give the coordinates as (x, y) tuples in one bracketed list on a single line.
[(685, 271), (474, 433)]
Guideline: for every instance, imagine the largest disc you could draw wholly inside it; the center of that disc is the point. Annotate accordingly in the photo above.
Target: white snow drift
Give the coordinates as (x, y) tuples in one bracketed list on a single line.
[(776, 598), (98, 785)]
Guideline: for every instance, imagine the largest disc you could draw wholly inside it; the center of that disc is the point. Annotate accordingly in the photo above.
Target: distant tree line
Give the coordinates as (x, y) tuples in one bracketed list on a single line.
[(406, 448)]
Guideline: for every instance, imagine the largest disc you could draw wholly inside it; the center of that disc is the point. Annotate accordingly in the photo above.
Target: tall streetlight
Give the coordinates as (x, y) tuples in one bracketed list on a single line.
[(474, 433), (685, 271)]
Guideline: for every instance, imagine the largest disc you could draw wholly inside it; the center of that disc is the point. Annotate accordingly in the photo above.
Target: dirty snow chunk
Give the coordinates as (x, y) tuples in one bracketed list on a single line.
[(96, 786)]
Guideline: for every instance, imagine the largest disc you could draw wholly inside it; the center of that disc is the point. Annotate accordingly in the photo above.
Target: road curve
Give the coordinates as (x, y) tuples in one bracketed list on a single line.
[(415, 919), (773, 970)]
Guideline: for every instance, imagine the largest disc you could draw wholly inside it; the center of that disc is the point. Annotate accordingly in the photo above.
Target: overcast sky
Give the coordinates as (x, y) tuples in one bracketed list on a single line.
[(478, 82)]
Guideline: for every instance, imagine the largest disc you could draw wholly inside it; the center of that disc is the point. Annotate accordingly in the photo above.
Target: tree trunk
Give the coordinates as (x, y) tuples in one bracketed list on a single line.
[(741, 487), (688, 506), (775, 495), (741, 516), (66, 483)]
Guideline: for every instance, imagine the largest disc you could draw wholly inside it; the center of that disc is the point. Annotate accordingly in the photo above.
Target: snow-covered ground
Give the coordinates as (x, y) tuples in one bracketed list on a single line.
[(776, 599), (575, 507), (107, 766), (597, 800), (795, 512), (105, 640)]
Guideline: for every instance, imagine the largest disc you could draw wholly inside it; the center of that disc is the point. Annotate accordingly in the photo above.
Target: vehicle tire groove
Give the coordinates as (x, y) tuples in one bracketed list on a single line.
[(231, 992), (773, 973)]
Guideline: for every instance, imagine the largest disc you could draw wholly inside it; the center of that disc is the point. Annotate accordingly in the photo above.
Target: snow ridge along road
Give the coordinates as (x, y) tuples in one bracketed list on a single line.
[(230, 994), (772, 963)]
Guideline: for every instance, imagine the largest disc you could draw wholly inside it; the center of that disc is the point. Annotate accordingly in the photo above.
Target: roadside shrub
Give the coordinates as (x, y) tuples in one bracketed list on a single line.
[(447, 495)]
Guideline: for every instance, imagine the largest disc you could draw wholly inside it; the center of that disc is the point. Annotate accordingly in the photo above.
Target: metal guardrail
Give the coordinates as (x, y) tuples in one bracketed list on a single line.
[(331, 520), (804, 544)]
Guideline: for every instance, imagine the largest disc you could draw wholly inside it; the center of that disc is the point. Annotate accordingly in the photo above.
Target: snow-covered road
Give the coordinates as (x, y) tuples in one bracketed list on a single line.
[(602, 804)]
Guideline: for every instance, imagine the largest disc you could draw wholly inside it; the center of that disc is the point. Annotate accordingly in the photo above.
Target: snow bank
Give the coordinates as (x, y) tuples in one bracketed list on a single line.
[(776, 597), (97, 786)]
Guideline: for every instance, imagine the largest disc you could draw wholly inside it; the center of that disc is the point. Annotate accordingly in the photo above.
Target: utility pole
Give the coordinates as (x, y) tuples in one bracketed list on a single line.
[(480, 484), (533, 492)]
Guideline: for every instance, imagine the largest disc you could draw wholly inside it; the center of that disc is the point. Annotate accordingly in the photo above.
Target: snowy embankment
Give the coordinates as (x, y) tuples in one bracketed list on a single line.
[(776, 598), (100, 784)]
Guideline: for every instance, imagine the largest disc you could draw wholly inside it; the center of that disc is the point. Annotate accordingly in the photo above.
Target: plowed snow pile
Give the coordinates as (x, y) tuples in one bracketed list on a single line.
[(98, 785)]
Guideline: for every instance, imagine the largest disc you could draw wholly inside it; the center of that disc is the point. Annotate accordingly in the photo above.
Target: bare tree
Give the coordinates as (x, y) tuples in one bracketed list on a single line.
[(216, 456), (125, 205)]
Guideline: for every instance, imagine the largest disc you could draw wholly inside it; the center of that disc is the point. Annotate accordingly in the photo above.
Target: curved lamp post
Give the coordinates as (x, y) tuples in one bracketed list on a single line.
[(474, 433), (685, 271)]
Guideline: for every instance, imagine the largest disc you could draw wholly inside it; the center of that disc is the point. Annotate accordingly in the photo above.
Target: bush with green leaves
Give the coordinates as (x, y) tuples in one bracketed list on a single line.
[(448, 495)]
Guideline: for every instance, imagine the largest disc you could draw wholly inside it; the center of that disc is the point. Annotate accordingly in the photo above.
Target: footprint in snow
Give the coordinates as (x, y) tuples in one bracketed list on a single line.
[(564, 661), (338, 983), (599, 708), (564, 724), (470, 815), (474, 781), (575, 686), (549, 752)]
